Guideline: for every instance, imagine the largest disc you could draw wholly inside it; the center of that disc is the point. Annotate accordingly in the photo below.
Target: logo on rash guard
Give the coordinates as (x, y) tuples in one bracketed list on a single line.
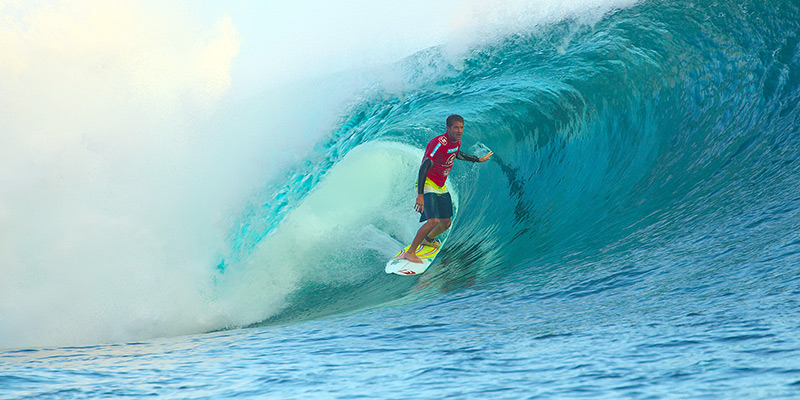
[(435, 149)]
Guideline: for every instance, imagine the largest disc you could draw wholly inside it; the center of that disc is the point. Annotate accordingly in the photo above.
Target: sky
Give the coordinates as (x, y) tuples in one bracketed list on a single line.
[(257, 43), (295, 39)]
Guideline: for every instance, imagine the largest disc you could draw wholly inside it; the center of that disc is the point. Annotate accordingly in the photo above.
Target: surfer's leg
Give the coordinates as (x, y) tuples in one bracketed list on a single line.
[(423, 231), (436, 215), (444, 210), (441, 226)]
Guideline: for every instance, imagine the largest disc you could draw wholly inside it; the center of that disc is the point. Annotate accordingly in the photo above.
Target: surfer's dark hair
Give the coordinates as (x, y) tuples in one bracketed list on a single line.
[(453, 119)]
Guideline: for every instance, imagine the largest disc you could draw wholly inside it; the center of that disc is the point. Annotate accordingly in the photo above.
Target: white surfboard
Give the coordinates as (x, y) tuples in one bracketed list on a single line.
[(400, 266)]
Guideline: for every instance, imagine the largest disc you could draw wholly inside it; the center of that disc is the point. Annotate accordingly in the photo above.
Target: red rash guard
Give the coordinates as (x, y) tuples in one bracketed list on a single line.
[(442, 152)]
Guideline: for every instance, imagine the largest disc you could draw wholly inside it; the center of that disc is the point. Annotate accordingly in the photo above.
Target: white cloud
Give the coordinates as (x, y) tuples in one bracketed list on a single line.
[(110, 48)]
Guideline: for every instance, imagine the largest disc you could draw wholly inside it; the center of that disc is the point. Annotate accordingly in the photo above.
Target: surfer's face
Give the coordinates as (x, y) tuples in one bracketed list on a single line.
[(455, 131)]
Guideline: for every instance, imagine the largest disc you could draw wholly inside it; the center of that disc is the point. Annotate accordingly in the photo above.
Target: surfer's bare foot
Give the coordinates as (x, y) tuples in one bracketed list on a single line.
[(410, 256)]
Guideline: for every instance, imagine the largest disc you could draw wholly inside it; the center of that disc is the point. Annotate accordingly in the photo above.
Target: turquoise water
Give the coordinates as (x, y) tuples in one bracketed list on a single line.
[(634, 236)]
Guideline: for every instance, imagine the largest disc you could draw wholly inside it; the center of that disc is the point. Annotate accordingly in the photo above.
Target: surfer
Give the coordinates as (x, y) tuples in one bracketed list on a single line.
[(433, 200)]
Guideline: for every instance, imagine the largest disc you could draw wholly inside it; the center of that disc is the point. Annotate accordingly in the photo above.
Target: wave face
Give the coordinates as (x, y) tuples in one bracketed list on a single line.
[(658, 144)]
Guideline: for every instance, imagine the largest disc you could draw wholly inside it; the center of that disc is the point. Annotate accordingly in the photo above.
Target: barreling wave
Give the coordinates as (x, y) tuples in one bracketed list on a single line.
[(662, 136)]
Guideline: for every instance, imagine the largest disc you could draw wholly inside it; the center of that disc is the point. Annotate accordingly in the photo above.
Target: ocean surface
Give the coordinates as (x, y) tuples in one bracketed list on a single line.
[(635, 235)]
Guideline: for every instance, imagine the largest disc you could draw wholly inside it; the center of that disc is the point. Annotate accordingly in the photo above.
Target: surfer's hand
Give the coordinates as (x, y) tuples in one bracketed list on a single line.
[(419, 205), (486, 157)]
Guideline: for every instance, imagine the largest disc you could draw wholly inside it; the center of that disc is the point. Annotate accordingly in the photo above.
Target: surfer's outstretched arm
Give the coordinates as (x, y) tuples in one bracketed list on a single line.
[(469, 157)]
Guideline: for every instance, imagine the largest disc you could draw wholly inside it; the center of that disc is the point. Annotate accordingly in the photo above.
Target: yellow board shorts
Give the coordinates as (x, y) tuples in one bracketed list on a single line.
[(431, 187)]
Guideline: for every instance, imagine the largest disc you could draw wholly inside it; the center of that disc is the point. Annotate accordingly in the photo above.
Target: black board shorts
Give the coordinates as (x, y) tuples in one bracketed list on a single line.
[(436, 206)]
